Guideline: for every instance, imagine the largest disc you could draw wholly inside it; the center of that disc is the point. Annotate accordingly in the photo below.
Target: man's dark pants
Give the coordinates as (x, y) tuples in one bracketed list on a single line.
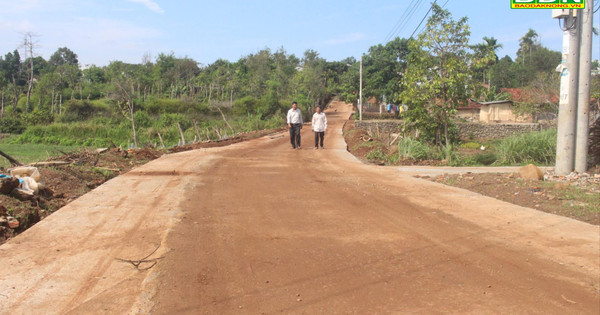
[(295, 135), (319, 135)]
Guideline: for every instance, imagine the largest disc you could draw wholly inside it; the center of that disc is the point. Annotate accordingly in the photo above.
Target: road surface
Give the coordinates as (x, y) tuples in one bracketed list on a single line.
[(259, 228)]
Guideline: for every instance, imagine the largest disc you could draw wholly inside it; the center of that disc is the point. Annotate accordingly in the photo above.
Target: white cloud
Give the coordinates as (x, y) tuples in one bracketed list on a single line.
[(151, 5), (350, 38)]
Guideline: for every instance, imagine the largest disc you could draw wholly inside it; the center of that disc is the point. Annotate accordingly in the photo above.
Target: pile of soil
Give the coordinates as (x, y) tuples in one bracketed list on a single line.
[(84, 171)]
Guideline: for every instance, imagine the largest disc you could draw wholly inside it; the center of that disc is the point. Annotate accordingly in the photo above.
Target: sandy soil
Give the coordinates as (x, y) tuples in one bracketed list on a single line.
[(257, 227)]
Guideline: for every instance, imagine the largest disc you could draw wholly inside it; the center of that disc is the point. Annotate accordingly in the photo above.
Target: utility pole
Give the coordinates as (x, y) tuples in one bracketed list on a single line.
[(565, 142), (360, 92), (583, 102)]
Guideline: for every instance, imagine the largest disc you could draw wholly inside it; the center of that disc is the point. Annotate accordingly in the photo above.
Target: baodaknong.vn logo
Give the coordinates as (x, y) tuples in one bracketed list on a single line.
[(547, 4)]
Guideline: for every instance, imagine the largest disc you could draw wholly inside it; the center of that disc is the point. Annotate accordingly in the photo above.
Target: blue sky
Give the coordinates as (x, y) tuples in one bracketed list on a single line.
[(100, 31)]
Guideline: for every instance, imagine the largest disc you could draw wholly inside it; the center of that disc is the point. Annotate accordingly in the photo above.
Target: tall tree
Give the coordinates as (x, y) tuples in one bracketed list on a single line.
[(13, 71), (383, 69), (527, 44), (29, 46), (438, 74), (484, 57)]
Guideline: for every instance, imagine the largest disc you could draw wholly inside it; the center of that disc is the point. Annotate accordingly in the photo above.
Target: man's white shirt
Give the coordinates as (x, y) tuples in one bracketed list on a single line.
[(294, 116), (319, 122)]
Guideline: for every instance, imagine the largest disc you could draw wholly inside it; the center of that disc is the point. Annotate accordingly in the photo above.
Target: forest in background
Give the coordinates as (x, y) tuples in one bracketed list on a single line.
[(57, 101)]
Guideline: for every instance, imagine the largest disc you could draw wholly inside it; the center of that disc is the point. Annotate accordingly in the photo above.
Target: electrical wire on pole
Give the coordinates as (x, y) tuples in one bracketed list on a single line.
[(424, 26), (426, 14), (406, 15)]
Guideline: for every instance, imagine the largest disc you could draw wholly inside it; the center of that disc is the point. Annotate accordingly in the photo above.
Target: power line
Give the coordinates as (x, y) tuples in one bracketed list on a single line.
[(408, 12), (411, 15), (421, 30), (387, 37), (431, 7)]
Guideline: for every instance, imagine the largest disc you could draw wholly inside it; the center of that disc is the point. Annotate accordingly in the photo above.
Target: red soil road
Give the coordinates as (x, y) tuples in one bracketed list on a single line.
[(257, 227)]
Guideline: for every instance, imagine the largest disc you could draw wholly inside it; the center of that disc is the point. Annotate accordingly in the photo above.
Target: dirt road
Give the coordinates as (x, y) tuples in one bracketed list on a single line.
[(259, 228)]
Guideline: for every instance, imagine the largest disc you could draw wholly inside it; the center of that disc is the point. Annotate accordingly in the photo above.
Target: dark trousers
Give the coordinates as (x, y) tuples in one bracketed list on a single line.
[(295, 135), (319, 135)]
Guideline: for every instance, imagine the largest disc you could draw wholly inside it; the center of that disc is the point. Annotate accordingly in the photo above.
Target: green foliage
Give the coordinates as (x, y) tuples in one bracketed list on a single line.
[(29, 153), (535, 147), (376, 155), (142, 119), (446, 153), (75, 110), (471, 145), (11, 124), (438, 75), (409, 148), (38, 117), (245, 105), (487, 158)]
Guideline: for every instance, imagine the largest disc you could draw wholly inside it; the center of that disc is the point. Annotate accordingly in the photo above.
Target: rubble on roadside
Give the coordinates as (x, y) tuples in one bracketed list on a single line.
[(575, 178)]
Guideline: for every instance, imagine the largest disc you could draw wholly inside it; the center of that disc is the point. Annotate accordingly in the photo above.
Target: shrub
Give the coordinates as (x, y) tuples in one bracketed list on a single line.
[(409, 148), (487, 158), (11, 124), (142, 119), (38, 117), (74, 110), (245, 105), (376, 154)]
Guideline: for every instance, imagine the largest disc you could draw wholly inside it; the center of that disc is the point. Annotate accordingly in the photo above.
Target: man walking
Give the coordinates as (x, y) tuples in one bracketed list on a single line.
[(294, 121), (319, 125)]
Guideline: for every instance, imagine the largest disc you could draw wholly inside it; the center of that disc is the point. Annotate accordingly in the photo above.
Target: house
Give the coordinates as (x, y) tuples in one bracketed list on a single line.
[(500, 112), (491, 112)]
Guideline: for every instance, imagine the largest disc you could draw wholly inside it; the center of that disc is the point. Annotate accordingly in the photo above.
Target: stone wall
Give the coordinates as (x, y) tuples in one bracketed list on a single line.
[(494, 131), (377, 128)]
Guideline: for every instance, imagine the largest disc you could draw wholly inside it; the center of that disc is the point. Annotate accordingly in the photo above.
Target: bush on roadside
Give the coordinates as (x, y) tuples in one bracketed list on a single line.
[(409, 148), (537, 147)]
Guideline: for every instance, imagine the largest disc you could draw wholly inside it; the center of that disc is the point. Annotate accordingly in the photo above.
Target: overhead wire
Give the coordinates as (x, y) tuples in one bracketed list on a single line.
[(400, 20), (426, 14), (404, 19), (422, 28)]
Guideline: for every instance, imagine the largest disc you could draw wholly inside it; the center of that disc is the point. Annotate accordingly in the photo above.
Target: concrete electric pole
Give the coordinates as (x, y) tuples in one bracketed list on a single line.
[(360, 92), (565, 142), (583, 101), (573, 112)]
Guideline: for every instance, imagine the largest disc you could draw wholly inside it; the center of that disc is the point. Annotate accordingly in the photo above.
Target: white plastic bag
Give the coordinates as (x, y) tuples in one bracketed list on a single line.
[(26, 171)]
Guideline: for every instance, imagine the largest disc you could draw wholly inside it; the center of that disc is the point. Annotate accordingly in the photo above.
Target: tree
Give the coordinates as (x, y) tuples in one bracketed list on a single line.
[(484, 57), (13, 72), (64, 62), (123, 94), (383, 68), (29, 46), (63, 56), (437, 76), (527, 44)]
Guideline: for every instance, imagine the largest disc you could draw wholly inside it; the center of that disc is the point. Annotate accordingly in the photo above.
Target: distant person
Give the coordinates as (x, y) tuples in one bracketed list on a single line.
[(319, 125), (294, 121)]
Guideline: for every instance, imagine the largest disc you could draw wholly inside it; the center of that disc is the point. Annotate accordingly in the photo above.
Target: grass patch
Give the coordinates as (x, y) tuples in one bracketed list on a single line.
[(29, 153), (535, 147), (409, 148), (367, 144)]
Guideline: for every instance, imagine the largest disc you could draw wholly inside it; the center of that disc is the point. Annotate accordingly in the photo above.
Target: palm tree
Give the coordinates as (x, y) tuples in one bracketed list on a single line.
[(491, 45), (527, 43)]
